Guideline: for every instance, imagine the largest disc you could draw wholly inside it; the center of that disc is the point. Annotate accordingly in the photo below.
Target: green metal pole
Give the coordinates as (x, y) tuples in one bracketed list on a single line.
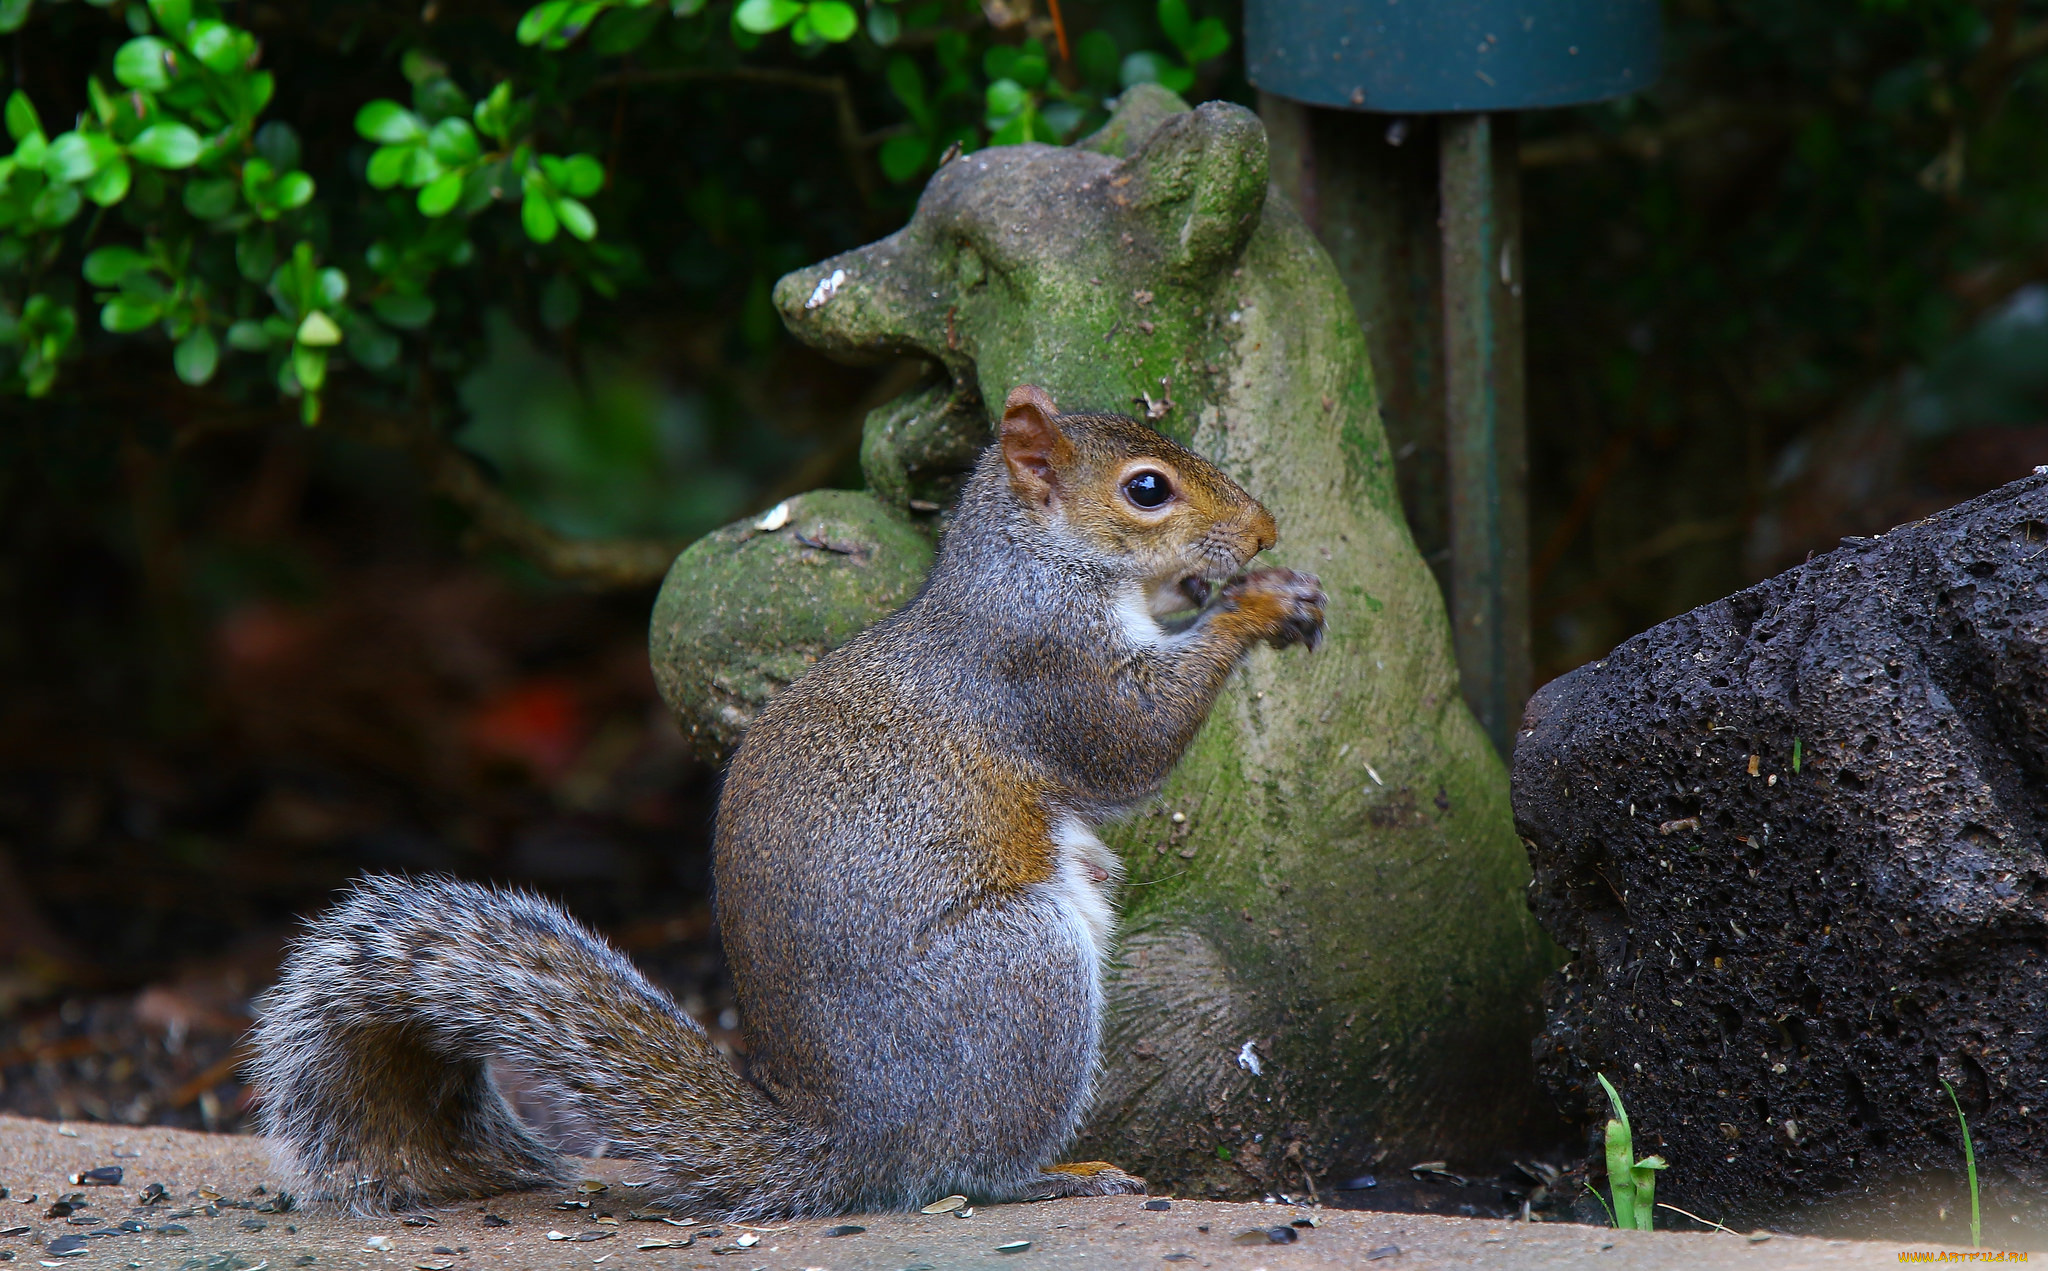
[(1486, 448)]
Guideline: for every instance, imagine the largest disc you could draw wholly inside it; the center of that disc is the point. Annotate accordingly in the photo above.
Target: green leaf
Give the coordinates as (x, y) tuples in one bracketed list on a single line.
[(22, 122), (408, 313), (582, 174), (172, 15), (538, 218), (437, 197), (317, 330), (126, 314), (196, 356), (834, 20), (216, 44), (1177, 79), (255, 255), (109, 185), (623, 30), (494, 113), (907, 82), (293, 189), (107, 266), (1005, 98), (74, 157), (168, 145), (996, 63), (209, 199), (330, 286), (248, 336), (903, 157), (56, 205), (278, 144), (388, 122), (762, 16), (309, 365), (453, 142), (543, 20), (576, 218), (884, 26), (145, 64), (1097, 55), (261, 86), (1174, 20), (1212, 39), (373, 346), (388, 165), (13, 13)]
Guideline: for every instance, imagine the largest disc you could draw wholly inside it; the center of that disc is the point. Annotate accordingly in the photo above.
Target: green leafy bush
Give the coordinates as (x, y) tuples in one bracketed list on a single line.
[(226, 245)]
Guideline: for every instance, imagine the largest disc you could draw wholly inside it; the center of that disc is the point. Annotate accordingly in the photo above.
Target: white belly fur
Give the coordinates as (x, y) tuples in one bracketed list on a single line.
[(1082, 880)]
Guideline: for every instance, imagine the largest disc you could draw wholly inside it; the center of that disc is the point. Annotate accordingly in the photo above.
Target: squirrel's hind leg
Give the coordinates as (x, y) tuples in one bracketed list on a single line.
[(1082, 1178)]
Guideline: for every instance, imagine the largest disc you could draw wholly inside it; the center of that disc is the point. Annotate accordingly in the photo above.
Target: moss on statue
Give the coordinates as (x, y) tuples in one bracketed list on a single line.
[(1326, 948)]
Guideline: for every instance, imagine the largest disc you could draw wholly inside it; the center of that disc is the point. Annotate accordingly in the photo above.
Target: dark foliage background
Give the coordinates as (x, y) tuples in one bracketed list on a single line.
[(1793, 293)]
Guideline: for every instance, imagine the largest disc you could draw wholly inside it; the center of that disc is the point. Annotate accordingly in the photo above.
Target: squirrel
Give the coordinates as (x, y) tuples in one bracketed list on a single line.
[(914, 905)]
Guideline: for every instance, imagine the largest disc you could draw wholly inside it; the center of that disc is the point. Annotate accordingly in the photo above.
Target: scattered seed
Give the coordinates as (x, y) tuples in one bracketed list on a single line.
[(71, 1246), (574, 1204), (591, 1187), (103, 1176), (382, 1244), (492, 1220), (680, 1222), (1180, 1257), (133, 1226), (747, 1241), (843, 1229), (13, 1231), (174, 1229), (207, 1193), (421, 1220), (253, 1224), (443, 1265), (965, 1211), (62, 1209), (1758, 1237), (67, 1131), (1015, 1246), (946, 1206), (1159, 1204), (154, 1194), (1309, 1221), (1384, 1251)]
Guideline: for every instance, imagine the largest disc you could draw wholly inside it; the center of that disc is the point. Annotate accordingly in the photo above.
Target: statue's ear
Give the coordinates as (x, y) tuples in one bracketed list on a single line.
[(1034, 449), (1199, 184)]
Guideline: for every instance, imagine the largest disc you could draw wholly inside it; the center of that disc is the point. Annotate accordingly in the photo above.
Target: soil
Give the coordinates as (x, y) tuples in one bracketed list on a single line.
[(222, 1190)]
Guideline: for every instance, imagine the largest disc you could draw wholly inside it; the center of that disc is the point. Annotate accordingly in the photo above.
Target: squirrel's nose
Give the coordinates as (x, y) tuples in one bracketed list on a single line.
[(1262, 528)]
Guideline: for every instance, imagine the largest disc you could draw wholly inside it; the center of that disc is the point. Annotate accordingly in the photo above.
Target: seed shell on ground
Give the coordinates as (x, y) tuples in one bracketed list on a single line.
[(945, 1206)]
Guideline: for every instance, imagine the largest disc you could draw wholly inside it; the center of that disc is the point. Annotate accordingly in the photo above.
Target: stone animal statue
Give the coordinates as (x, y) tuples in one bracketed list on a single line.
[(1326, 954)]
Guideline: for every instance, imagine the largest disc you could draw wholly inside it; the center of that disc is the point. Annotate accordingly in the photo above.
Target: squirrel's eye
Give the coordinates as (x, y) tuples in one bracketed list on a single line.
[(1148, 489)]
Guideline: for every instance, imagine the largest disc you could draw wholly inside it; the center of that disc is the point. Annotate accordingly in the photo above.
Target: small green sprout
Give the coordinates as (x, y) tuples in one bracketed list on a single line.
[(1631, 1182), (1795, 756), (1970, 1164)]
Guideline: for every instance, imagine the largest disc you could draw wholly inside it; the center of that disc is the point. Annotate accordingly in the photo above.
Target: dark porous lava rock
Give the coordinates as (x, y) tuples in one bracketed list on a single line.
[(1794, 840)]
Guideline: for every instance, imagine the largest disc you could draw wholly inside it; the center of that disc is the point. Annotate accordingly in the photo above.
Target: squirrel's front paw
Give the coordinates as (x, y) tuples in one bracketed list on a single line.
[(1286, 605)]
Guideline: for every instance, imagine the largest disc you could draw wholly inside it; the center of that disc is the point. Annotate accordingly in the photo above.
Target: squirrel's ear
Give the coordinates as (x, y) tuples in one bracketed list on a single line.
[(1034, 448)]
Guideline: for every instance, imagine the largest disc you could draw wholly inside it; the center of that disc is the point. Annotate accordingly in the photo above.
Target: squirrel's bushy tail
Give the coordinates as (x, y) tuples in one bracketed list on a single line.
[(373, 1055)]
